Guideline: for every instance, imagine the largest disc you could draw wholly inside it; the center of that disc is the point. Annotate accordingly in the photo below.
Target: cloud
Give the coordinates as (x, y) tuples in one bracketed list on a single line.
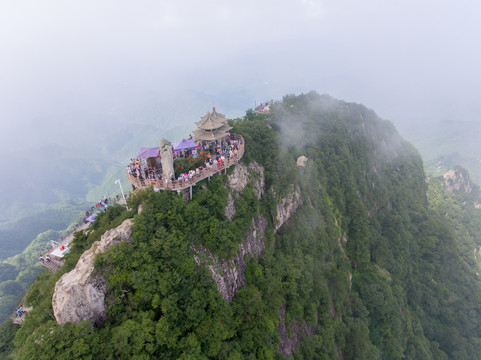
[(407, 60)]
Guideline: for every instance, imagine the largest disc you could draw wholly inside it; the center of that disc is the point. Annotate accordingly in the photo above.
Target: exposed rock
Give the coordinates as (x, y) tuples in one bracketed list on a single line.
[(80, 294), (458, 179), (229, 274), (185, 194), (287, 206), (241, 176), (230, 208), (301, 161), (167, 159), (289, 339), (259, 181), (238, 180)]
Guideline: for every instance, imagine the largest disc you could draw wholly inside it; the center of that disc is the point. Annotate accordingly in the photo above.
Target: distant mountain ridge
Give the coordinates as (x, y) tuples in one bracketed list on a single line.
[(446, 144)]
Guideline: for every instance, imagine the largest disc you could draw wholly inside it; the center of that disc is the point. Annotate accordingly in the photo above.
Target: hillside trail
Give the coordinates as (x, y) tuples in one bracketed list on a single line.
[(68, 240), (53, 263)]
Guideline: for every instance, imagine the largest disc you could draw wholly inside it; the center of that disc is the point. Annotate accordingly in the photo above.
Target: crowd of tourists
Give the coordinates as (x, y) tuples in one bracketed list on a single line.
[(216, 157), (140, 168)]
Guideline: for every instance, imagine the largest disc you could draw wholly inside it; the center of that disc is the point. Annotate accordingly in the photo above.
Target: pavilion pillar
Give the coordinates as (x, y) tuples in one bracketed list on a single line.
[(190, 192)]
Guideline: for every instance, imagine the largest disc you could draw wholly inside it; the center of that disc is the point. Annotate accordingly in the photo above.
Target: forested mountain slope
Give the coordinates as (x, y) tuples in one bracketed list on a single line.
[(366, 265)]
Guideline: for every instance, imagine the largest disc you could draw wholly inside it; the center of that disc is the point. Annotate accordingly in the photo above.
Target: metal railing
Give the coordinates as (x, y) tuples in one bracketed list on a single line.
[(187, 182)]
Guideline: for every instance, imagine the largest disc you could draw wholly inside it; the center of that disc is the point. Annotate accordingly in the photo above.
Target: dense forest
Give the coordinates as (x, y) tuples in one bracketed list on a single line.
[(376, 263)]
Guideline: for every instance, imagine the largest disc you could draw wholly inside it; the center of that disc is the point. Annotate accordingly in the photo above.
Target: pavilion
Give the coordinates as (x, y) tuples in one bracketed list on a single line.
[(212, 135), (212, 130)]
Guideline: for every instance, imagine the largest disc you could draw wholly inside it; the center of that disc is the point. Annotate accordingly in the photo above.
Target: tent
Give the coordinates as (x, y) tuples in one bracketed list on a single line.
[(91, 218), (184, 144), (147, 152), (60, 251)]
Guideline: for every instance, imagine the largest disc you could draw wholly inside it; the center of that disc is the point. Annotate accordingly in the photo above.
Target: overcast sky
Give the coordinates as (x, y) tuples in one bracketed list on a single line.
[(408, 60)]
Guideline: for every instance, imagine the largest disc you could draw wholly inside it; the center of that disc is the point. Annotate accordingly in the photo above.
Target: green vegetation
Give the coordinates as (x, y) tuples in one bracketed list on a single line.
[(375, 263), (17, 272), (7, 333), (17, 235)]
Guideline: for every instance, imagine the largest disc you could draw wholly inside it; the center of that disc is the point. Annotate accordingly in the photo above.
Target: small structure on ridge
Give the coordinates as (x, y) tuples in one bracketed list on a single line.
[(212, 130)]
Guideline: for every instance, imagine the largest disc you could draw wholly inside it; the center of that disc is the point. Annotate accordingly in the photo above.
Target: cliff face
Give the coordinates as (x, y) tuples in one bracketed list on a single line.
[(238, 180), (229, 274), (242, 175), (287, 206), (291, 334), (457, 179), (80, 294)]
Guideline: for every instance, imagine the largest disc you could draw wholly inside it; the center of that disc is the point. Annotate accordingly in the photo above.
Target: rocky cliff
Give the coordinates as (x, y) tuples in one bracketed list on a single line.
[(242, 175), (457, 179), (238, 180), (229, 274), (79, 294), (287, 206)]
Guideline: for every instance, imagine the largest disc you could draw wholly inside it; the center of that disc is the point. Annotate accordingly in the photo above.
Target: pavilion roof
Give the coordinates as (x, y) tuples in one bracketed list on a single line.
[(212, 135), (211, 121)]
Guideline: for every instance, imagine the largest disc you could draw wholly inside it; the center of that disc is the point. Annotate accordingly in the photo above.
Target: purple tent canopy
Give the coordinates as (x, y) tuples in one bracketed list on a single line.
[(146, 152), (184, 144)]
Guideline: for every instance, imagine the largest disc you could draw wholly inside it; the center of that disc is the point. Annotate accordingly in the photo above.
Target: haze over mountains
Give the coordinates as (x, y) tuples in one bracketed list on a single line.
[(66, 67), (84, 85)]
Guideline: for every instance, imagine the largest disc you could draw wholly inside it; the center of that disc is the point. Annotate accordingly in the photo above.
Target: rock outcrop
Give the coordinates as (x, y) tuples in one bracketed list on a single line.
[(286, 207), (242, 175), (229, 274), (301, 161), (80, 294), (167, 159), (457, 179), (230, 208), (291, 334), (238, 180)]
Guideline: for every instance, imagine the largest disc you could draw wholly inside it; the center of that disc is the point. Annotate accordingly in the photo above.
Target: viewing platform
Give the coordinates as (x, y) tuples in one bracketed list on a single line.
[(188, 182)]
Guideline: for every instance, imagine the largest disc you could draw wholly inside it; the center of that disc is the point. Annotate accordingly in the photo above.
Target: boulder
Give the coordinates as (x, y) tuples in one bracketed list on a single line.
[(80, 294)]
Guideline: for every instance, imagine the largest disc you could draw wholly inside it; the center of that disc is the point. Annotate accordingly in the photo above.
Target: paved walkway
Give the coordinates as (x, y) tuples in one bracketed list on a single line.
[(54, 264)]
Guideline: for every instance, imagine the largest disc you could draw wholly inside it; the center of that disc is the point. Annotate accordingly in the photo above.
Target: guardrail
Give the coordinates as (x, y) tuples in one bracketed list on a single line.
[(186, 183)]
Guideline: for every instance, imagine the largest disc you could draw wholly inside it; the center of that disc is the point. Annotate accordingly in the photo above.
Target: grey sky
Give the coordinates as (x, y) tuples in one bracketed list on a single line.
[(408, 60)]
